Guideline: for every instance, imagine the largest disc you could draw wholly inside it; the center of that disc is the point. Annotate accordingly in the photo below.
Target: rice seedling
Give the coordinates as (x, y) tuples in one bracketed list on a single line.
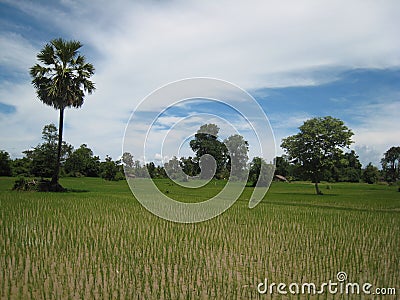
[(99, 242)]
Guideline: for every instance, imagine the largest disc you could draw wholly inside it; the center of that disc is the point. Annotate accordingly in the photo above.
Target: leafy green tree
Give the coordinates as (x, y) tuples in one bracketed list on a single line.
[(161, 172), (206, 142), (351, 175), (139, 170), (255, 171), (370, 174), (173, 169), (110, 170), (352, 159), (282, 166), (317, 145), (41, 161), (352, 172), (5, 163), (61, 81), (390, 164), (21, 167), (43, 157), (346, 168), (238, 149), (151, 168), (127, 159), (128, 163), (190, 166), (291, 169), (82, 162)]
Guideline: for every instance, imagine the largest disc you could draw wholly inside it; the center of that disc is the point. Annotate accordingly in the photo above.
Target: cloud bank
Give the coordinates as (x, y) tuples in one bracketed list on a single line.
[(138, 46)]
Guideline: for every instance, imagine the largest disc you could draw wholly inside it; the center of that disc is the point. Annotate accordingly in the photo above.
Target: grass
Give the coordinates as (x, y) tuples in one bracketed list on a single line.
[(97, 241)]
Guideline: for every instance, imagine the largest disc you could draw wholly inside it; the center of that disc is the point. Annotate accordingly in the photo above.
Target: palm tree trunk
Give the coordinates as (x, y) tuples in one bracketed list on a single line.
[(56, 175)]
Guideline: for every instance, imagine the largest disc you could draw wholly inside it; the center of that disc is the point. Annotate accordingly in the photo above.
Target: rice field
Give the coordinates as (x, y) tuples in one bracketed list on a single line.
[(98, 242)]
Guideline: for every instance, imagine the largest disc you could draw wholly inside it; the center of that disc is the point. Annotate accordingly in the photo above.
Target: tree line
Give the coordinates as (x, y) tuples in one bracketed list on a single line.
[(41, 160), (340, 166)]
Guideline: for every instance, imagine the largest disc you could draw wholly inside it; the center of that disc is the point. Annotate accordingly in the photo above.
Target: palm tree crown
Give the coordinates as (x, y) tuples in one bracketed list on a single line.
[(64, 78)]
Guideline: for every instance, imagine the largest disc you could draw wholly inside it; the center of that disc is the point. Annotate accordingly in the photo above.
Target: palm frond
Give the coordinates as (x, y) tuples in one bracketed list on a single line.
[(63, 79), (46, 55)]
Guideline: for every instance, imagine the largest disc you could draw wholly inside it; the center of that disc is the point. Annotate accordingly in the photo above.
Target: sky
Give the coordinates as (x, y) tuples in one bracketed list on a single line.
[(298, 59)]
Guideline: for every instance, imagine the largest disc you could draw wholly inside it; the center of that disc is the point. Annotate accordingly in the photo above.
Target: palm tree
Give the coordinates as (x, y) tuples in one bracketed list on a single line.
[(61, 81)]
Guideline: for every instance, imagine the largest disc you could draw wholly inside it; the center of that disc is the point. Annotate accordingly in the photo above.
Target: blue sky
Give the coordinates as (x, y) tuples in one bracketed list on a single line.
[(298, 61)]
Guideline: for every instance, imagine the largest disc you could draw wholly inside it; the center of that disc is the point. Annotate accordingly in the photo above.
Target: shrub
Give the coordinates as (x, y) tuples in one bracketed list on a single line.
[(22, 184)]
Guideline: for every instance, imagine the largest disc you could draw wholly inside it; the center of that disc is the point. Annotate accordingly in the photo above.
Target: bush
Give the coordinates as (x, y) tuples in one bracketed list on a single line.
[(119, 176), (22, 184)]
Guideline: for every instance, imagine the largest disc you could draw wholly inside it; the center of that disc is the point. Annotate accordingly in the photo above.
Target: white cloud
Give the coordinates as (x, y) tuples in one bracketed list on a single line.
[(138, 46), (368, 154), (22, 130), (286, 121), (17, 54), (377, 131)]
